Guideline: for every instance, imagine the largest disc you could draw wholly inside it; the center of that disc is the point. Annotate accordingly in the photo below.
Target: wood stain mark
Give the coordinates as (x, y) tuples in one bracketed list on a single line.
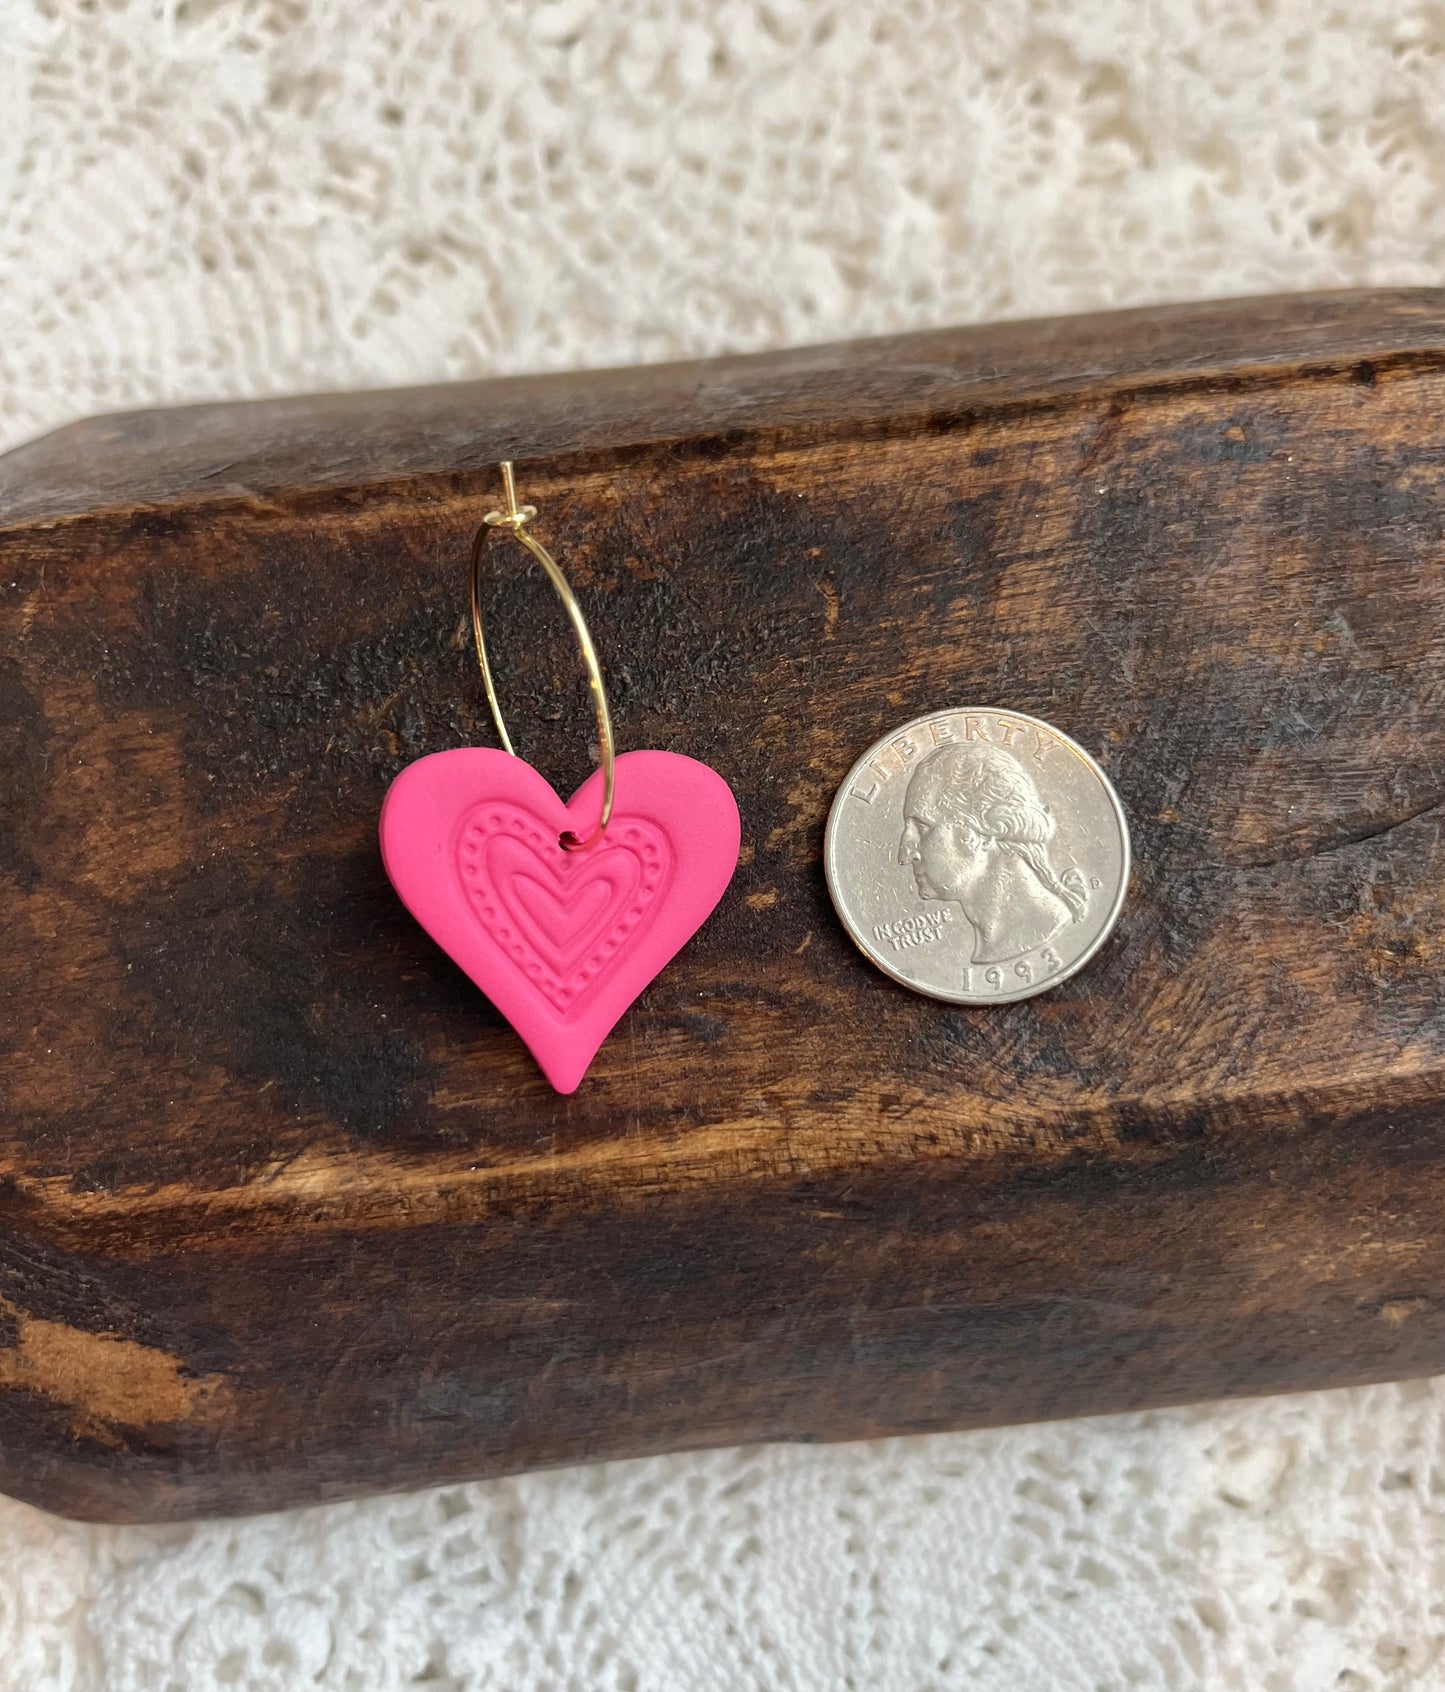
[(107, 1382)]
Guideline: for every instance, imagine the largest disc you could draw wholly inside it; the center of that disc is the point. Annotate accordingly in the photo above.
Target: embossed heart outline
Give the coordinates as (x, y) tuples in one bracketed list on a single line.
[(536, 900), (485, 809)]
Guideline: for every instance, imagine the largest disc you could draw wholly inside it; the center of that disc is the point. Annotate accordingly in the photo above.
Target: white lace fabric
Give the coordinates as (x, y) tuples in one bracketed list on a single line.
[(216, 198)]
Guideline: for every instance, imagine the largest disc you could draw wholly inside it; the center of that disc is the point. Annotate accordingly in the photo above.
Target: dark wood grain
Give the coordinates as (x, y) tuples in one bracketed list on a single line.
[(286, 1211)]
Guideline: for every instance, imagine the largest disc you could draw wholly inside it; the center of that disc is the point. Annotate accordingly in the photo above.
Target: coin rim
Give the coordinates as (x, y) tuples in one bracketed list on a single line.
[(833, 825)]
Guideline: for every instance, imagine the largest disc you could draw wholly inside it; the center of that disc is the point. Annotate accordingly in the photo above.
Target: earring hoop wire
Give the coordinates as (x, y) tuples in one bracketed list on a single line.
[(514, 520)]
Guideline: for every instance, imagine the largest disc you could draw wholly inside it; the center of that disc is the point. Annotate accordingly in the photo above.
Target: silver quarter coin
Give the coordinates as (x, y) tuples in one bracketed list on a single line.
[(977, 856)]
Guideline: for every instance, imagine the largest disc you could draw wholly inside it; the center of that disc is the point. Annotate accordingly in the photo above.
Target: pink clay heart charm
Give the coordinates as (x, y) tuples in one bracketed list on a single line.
[(561, 942)]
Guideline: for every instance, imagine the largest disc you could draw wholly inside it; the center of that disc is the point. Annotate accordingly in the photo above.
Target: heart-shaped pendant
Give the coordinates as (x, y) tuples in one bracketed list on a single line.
[(561, 941)]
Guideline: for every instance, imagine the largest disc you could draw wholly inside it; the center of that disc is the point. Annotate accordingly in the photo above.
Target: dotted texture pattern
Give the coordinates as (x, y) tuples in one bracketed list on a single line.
[(214, 198)]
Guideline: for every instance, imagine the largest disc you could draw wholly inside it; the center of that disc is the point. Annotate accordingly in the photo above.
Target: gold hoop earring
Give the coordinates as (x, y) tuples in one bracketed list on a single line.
[(560, 930), (514, 520)]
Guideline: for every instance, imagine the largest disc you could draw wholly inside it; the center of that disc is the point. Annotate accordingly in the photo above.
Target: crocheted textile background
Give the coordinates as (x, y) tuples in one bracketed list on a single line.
[(204, 198)]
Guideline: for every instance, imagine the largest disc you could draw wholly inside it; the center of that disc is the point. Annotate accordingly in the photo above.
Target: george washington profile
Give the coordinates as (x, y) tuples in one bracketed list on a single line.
[(976, 832)]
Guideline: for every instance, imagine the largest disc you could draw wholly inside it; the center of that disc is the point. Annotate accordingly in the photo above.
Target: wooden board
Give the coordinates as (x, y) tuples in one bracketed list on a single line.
[(287, 1213)]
